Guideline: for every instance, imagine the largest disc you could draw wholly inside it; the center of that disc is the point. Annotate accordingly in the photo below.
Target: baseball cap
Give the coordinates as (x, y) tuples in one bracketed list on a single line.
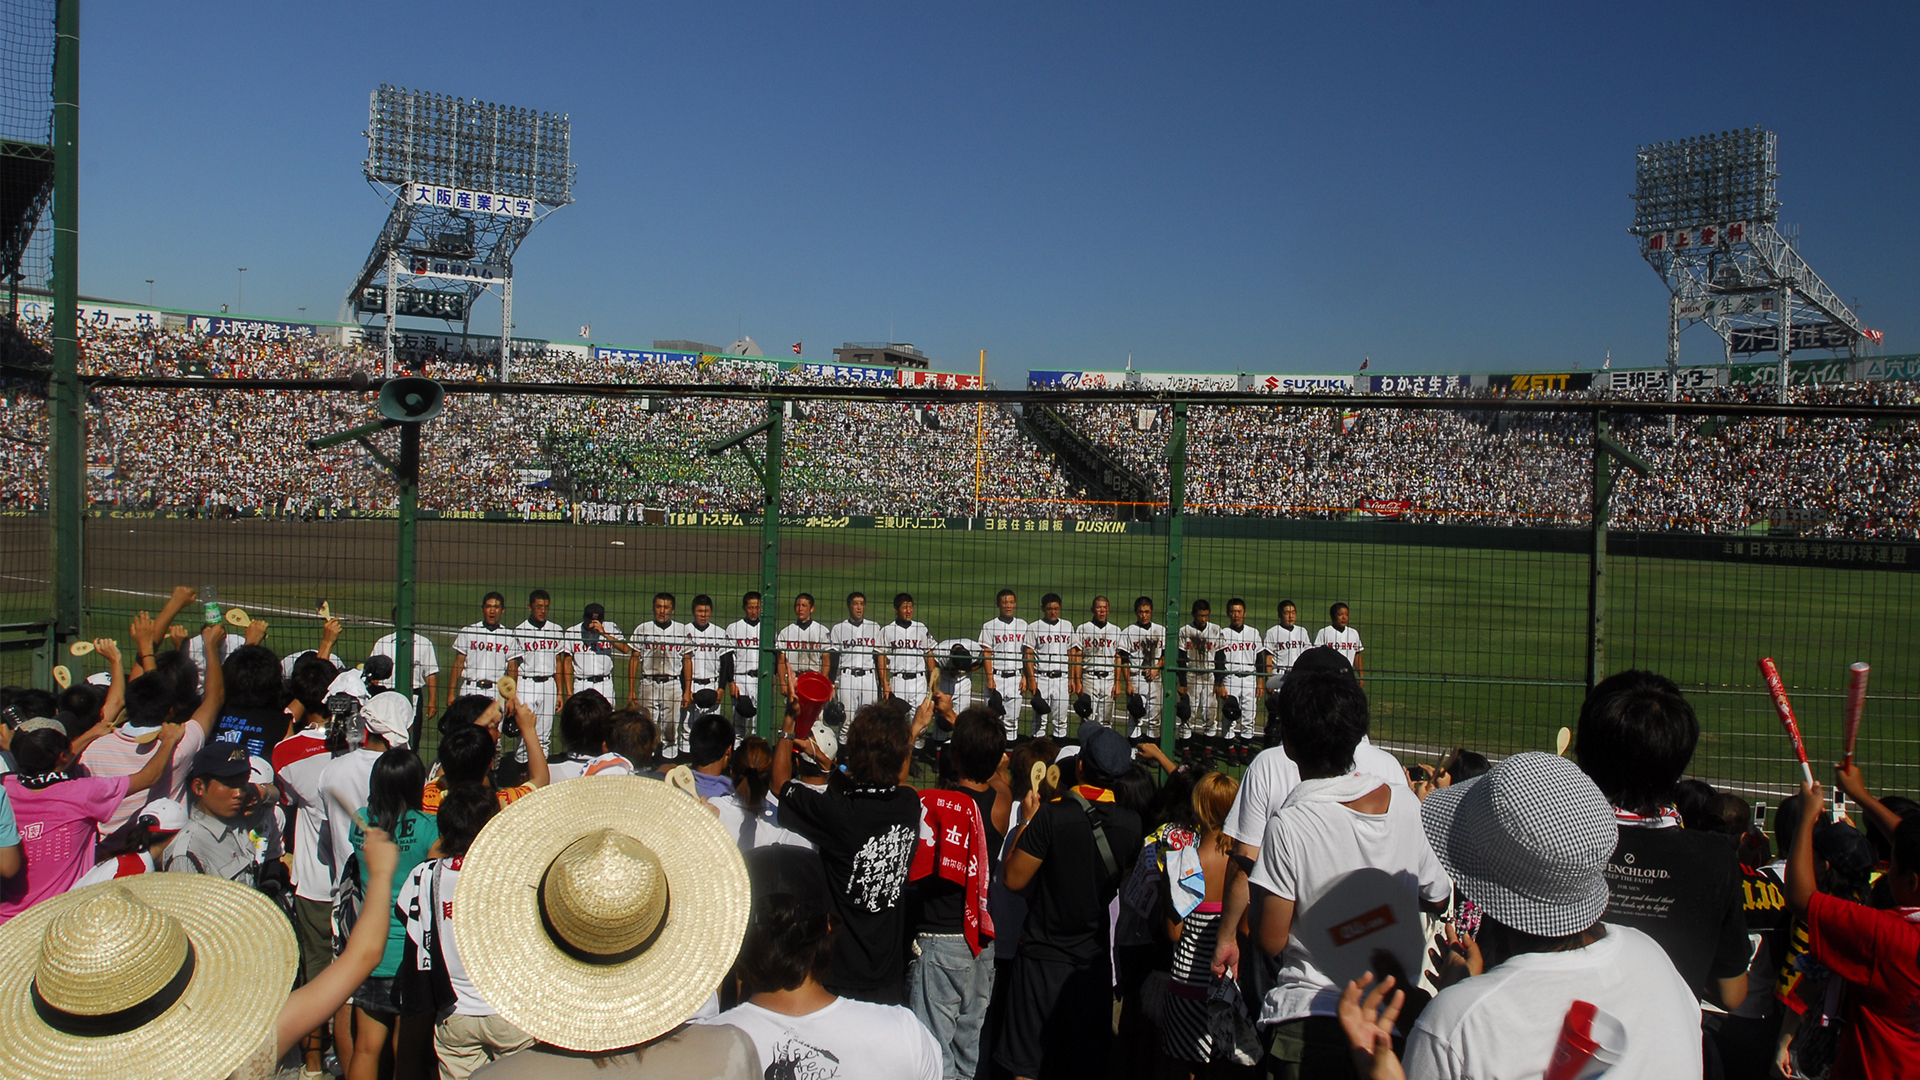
[(786, 870), (705, 699), (1324, 658), (167, 815), (1106, 751), (388, 715), (829, 744), (1846, 849), (378, 669), (223, 761), (1527, 842), (596, 611)]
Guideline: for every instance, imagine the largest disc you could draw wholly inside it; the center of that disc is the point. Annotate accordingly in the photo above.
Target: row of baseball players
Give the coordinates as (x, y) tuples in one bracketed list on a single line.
[(1050, 665)]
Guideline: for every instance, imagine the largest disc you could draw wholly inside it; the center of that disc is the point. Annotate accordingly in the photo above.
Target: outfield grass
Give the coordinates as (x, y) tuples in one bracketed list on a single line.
[(1481, 648)]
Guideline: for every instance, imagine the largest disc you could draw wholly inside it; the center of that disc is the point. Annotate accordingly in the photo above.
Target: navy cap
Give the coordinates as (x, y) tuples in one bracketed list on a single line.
[(222, 761)]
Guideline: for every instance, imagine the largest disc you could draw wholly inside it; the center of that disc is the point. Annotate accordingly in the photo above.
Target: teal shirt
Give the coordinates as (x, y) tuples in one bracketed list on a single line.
[(414, 835)]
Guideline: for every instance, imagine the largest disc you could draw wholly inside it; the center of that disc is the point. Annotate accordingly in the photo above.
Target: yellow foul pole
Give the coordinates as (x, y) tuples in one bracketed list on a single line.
[(979, 438)]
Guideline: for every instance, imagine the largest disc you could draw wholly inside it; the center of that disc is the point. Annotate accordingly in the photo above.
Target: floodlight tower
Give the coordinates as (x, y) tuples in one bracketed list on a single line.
[(1705, 211), (466, 181)]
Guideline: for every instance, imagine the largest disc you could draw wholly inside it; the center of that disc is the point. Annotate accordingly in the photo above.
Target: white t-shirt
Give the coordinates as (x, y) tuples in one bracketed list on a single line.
[(593, 661), (1346, 642), (1049, 642), (197, 652), (487, 650), (538, 648), (292, 660), (311, 868), (1504, 1024), (1312, 841), (847, 1040), (765, 830), (1272, 776), (426, 659), (662, 649), (344, 785), (706, 644), (466, 1000), (1285, 644), (856, 644), (805, 647), (1141, 647)]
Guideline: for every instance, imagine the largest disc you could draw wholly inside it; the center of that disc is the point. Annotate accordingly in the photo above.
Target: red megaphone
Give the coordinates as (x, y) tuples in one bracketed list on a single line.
[(811, 692)]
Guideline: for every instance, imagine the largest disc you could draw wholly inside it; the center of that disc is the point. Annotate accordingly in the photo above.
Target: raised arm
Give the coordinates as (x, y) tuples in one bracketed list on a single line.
[(1800, 873), (116, 693), (783, 750), (157, 761), (176, 603), (208, 713), (310, 1006), (1849, 779)]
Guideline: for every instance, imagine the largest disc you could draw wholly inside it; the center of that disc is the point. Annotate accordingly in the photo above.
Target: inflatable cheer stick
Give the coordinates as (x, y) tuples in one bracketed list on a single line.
[(1856, 704), (1785, 708)]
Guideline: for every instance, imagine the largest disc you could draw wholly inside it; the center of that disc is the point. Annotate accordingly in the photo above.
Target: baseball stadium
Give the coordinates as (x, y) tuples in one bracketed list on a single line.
[(1480, 548)]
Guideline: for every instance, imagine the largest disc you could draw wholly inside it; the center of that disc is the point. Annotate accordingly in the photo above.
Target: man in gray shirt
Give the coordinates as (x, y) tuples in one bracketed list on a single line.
[(230, 829)]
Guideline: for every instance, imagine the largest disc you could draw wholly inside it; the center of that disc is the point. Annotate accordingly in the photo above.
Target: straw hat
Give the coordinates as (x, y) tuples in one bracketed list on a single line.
[(165, 975), (600, 913)]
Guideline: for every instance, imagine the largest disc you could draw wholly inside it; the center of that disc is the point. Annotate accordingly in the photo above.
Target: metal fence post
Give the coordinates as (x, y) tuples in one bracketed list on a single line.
[(68, 480), (1176, 554), (767, 721), (408, 476), (1597, 577)]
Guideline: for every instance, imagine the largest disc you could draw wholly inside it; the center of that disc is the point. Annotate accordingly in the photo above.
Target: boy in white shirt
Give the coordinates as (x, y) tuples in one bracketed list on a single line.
[(797, 1025)]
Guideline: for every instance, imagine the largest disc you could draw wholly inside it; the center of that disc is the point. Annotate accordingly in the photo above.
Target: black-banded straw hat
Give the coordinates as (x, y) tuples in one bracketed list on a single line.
[(601, 913), (157, 975)]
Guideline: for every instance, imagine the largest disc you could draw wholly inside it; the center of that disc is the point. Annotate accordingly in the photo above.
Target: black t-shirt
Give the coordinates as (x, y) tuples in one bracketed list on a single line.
[(259, 730), (1067, 901), (866, 839), (1683, 889), (939, 906)]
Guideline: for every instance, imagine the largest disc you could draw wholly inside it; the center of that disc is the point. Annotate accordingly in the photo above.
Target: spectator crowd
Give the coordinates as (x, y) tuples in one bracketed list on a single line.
[(218, 861), (214, 452)]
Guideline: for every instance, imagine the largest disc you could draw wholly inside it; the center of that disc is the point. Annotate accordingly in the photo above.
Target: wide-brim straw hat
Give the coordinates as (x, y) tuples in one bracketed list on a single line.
[(157, 975), (600, 913)]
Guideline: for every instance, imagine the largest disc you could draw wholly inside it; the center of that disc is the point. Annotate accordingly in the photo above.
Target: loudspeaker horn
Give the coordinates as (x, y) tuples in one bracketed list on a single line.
[(411, 399)]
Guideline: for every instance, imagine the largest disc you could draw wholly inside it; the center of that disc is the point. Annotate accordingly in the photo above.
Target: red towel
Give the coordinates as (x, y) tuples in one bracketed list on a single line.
[(953, 844)]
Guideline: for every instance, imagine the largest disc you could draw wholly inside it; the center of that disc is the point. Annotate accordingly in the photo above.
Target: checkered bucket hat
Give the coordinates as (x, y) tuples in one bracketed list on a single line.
[(1527, 843)]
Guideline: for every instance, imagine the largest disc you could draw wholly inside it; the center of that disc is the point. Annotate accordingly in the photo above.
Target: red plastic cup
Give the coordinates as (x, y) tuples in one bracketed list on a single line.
[(811, 691)]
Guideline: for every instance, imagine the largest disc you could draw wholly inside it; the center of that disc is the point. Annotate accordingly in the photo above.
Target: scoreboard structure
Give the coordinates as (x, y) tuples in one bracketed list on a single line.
[(465, 182), (1705, 214)]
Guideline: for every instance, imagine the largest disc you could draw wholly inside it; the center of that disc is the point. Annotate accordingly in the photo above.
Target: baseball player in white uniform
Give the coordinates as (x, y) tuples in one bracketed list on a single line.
[(662, 645), (1236, 658), (1050, 640), (1009, 662), (1142, 654), (537, 644), (480, 652), (802, 644), (1091, 670), (743, 668), (1196, 641), (1284, 644), (859, 671), (909, 654), (1342, 637), (706, 644), (956, 669), (426, 664), (587, 663)]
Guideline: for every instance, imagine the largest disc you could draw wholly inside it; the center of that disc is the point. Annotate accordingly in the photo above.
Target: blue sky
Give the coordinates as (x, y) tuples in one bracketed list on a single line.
[(1206, 186)]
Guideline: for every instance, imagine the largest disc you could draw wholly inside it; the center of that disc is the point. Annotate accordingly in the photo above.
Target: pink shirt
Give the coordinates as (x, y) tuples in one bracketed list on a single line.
[(118, 755), (57, 834)]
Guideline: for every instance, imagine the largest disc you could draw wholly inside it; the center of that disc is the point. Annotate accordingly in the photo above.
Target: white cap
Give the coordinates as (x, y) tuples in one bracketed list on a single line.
[(169, 816), (349, 682), (388, 715), (260, 771), (829, 743), (100, 678)]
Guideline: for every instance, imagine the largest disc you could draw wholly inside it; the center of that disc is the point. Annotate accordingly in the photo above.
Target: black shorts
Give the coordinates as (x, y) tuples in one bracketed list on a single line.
[(1058, 1020), (376, 996)]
